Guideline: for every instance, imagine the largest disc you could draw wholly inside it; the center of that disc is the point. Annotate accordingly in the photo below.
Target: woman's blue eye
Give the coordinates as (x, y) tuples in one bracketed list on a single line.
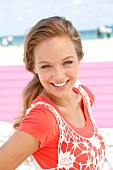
[(67, 62), (45, 66)]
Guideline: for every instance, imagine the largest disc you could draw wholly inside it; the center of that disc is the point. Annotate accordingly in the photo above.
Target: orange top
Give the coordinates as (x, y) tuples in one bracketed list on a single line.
[(63, 146)]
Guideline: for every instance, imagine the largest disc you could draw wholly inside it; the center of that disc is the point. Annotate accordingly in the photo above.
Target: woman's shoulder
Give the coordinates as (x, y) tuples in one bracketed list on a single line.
[(90, 94), (88, 91), (41, 111), (40, 122)]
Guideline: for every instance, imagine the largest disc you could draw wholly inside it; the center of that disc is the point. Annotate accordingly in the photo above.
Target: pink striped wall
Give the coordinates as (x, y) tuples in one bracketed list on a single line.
[(12, 81), (98, 77)]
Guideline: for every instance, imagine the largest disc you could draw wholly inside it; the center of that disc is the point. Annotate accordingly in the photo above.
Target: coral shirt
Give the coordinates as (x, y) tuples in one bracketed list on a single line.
[(64, 146)]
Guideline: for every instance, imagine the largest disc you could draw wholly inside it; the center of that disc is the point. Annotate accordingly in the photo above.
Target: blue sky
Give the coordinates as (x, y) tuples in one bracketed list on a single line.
[(16, 16)]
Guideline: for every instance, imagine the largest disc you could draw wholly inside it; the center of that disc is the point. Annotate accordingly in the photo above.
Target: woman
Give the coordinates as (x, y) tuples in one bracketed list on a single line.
[(56, 126)]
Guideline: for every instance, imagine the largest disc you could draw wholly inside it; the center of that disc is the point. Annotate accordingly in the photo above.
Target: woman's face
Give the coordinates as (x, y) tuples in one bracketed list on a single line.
[(56, 64)]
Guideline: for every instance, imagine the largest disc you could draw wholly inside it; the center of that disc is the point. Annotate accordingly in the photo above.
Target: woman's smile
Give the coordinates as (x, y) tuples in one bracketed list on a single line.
[(60, 86)]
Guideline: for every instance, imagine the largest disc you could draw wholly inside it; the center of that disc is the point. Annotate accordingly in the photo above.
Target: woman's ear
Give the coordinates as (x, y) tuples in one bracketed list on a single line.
[(34, 70), (79, 61)]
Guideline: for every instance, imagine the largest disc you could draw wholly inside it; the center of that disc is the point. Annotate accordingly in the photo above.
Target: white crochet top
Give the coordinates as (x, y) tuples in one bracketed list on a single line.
[(92, 148)]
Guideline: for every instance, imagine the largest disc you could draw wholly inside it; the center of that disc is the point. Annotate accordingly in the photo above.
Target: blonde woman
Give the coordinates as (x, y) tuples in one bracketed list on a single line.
[(56, 126)]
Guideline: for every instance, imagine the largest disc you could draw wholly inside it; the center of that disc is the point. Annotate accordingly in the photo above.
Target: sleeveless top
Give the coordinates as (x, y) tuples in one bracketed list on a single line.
[(93, 148)]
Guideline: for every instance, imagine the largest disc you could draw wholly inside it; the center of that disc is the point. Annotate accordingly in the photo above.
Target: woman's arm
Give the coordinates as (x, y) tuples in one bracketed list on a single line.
[(17, 149)]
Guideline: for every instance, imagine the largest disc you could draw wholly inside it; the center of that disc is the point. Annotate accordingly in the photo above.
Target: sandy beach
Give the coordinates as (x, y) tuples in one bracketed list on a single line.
[(97, 50)]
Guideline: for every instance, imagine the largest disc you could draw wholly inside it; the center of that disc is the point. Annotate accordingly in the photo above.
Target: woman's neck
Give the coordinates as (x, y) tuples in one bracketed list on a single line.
[(64, 101)]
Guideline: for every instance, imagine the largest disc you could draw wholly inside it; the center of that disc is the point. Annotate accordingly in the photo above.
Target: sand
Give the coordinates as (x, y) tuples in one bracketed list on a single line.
[(98, 50), (11, 55)]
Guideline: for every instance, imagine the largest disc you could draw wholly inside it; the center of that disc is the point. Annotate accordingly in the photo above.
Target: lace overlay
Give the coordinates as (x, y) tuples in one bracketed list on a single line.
[(75, 151)]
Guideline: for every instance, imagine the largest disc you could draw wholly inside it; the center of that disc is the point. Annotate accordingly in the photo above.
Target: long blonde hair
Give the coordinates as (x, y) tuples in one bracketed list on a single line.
[(43, 30)]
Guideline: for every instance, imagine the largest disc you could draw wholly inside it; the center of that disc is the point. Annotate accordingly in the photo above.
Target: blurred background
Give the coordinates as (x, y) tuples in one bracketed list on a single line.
[(18, 16)]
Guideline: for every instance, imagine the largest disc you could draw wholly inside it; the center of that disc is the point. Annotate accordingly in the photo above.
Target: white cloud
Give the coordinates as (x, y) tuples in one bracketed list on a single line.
[(1, 15), (19, 18), (77, 1)]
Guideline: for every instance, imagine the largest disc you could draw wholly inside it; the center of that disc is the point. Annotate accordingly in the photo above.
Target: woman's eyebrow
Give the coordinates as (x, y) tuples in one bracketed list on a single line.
[(47, 62), (69, 57), (44, 62)]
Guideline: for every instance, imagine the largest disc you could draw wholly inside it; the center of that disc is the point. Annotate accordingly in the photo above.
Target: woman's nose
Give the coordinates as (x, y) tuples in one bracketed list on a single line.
[(58, 74)]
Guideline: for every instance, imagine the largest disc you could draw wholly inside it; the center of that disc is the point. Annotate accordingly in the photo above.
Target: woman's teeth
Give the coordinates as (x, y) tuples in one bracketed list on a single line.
[(60, 85)]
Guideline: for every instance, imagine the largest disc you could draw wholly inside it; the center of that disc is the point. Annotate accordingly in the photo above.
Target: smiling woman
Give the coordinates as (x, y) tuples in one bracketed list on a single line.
[(56, 126)]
